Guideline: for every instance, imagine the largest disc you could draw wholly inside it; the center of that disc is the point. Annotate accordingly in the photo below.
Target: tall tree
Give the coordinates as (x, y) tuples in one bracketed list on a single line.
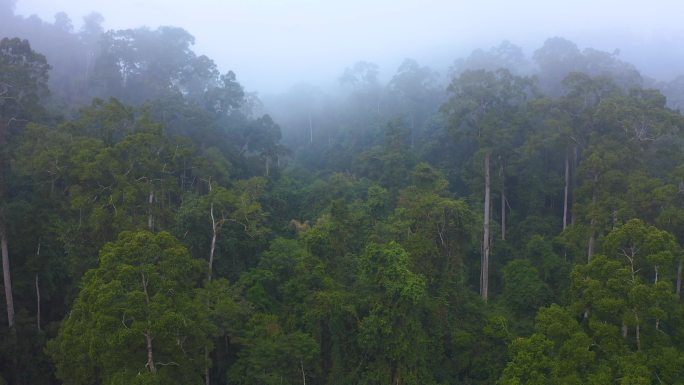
[(23, 83), (483, 107), (139, 317)]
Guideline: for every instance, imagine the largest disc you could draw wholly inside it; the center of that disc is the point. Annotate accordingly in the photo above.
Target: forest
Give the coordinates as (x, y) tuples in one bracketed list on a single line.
[(518, 220)]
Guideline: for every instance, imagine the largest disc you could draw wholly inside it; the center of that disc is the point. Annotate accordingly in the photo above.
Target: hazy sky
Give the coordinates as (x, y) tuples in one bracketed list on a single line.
[(272, 44)]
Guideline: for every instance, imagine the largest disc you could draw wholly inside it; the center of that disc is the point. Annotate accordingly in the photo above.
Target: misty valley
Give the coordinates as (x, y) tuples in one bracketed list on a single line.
[(516, 218)]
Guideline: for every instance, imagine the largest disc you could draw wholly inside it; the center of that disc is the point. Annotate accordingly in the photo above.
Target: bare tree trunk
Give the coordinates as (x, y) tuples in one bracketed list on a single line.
[(148, 337), (150, 357), (592, 241), (212, 249), (301, 365), (7, 279), (412, 130), (592, 224), (574, 183), (484, 270), (503, 203), (210, 268), (637, 333), (310, 130), (207, 377), (567, 186), (150, 219)]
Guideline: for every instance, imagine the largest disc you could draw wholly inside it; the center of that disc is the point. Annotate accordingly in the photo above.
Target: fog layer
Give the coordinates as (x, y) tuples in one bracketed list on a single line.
[(273, 44)]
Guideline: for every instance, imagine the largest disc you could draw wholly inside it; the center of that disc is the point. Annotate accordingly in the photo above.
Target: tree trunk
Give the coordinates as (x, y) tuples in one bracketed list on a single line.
[(7, 280), (567, 186), (592, 224), (637, 333), (301, 365), (37, 303), (207, 376), (150, 357), (484, 269), (212, 249), (148, 337), (573, 180), (150, 219), (210, 268), (503, 203), (310, 130), (592, 241)]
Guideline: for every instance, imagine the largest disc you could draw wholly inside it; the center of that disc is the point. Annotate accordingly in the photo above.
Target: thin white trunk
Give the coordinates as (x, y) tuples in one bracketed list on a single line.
[(484, 270), (592, 241), (148, 336), (637, 332), (592, 225), (37, 303), (503, 203), (567, 187), (310, 130), (573, 181), (207, 377), (7, 280), (214, 232), (301, 365), (150, 219)]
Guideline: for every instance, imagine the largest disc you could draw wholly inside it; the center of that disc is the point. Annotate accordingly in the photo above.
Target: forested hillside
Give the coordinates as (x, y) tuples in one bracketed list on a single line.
[(517, 220)]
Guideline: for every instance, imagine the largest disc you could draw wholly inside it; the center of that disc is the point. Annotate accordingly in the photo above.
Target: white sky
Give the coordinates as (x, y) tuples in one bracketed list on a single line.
[(272, 44)]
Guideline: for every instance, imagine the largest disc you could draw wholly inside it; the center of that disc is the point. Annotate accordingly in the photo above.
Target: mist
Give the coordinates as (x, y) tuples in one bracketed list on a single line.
[(327, 192), (272, 45)]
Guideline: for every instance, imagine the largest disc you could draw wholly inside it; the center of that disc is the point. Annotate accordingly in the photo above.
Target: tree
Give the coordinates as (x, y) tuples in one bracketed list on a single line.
[(415, 95), (223, 220), (272, 356), (23, 83), (390, 330), (483, 106), (622, 324), (504, 56), (138, 318), (436, 229)]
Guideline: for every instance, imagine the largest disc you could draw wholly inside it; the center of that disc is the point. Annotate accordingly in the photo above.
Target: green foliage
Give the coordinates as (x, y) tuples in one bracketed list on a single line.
[(390, 332), (23, 83), (629, 317), (355, 249), (524, 291), (272, 356), (138, 317)]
